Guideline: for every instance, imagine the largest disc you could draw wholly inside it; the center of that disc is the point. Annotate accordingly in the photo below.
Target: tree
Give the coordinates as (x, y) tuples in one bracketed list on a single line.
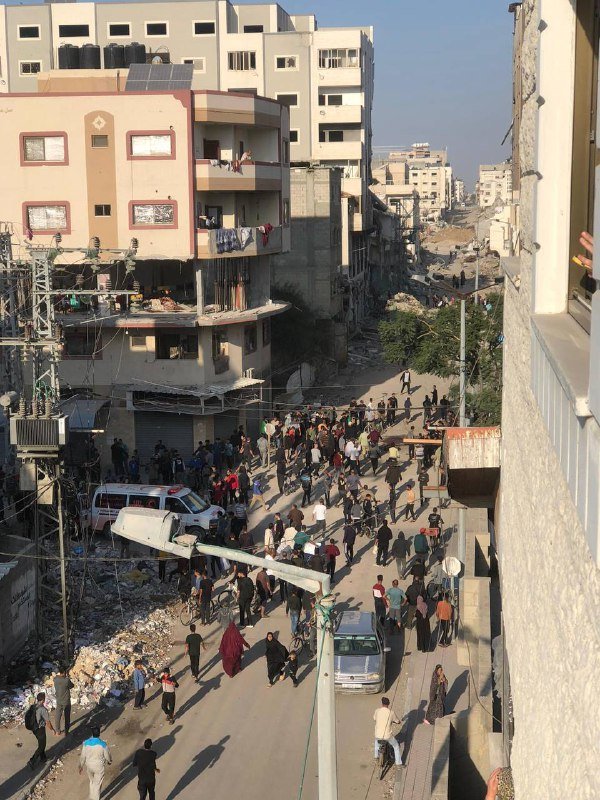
[(430, 343)]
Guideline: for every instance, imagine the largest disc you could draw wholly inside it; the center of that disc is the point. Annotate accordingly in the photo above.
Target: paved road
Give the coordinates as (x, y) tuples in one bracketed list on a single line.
[(238, 736)]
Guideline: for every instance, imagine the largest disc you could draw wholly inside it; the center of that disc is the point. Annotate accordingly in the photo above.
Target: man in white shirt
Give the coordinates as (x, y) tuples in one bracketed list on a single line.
[(384, 718), (315, 458), (320, 515), (370, 412), (348, 449), (269, 537), (288, 536)]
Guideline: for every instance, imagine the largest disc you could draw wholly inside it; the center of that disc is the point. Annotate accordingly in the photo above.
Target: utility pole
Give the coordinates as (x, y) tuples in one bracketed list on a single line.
[(462, 532), (37, 429)]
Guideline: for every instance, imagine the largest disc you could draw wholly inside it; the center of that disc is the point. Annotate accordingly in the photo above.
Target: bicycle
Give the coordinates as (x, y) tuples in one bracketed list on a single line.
[(385, 759), (290, 484), (301, 638), (224, 600)]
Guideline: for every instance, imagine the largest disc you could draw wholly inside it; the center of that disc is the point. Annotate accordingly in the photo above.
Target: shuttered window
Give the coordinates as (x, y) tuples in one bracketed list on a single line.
[(42, 218), (44, 148), (151, 145), (155, 214)]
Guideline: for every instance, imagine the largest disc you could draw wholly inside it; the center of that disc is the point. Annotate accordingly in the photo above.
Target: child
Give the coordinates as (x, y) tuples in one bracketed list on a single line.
[(292, 668)]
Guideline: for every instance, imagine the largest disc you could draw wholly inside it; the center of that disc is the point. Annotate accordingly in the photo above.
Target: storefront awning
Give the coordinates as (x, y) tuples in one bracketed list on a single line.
[(83, 414)]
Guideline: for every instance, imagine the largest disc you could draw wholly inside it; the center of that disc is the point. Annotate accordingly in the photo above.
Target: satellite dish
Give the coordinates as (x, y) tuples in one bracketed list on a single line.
[(156, 60)]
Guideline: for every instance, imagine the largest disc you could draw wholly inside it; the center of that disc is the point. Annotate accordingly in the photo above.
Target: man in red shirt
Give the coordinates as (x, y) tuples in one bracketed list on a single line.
[(331, 553), (380, 600)]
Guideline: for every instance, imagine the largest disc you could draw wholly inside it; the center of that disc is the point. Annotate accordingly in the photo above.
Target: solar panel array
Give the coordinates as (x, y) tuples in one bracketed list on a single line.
[(159, 77)]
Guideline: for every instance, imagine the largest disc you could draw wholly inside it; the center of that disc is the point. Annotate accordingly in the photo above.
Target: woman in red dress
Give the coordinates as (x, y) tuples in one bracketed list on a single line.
[(231, 649)]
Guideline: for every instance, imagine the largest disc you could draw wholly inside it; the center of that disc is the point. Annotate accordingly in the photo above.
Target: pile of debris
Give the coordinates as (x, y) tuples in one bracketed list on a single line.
[(405, 302), (118, 623)]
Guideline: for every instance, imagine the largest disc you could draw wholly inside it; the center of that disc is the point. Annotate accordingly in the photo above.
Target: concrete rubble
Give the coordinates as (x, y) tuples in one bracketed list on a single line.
[(118, 622), (405, 302)]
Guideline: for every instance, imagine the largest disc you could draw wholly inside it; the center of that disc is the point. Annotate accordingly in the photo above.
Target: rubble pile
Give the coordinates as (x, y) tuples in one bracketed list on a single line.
[(405, 302), (116, 625)]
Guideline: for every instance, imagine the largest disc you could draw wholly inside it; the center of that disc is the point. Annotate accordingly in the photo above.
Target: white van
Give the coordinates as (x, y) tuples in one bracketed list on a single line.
[(110, 498)]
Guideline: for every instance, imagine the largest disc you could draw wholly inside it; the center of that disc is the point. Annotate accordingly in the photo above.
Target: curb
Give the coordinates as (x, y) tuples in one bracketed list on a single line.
[(25, 791)]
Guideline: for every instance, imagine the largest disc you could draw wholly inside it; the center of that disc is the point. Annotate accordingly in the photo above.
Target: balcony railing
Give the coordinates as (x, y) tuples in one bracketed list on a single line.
[(250, 176), (237, 242)]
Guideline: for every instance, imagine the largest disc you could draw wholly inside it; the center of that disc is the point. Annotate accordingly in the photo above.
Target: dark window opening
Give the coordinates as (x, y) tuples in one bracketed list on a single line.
[(118, 29), (102, 210), (29, 31), (288, 100), (175, 346), (81, 345), (336, 136), (249, 339), (253, 28), (73, 31), (99, 140), (293, 136), (156, 29), (204, 28), (266, 332)]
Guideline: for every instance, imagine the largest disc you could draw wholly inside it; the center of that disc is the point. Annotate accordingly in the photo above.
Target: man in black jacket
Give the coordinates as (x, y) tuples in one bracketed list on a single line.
[(416, 588), (145, 761), (245, 595), (400, 550), (383, 538)]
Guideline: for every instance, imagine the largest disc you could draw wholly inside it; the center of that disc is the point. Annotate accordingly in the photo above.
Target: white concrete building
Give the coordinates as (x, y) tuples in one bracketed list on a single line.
[(495, 184), (458, 190), (548, 517)]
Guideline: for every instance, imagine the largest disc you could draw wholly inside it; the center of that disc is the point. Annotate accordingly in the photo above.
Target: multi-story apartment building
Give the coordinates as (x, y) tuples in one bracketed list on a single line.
[(324, 76), (459, 190), (190, 352), (403, 199), (548, 517), (495, 184)]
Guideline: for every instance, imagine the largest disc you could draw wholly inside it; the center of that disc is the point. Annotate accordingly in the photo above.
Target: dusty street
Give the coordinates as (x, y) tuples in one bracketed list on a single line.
[(234, 735)]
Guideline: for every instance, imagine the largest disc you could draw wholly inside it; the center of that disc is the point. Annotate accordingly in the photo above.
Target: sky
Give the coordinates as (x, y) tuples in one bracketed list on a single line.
[(442, 72)]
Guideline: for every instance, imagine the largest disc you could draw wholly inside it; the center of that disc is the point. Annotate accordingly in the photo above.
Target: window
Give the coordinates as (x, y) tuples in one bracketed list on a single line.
[(266, 332), (153, 214), (81, 344), (249, 339), (44, 148), (331, 136), (199, 63), (285, 212), (112, 501), (143, 501), (99, 140), (137, 342), (41, 217), (288, 100), (151, 145), (330, 99), (220, 352), (204, 28), (293, 136), (30, 67), (119, 30), (175, 505), (73, 31), (338, 58), (286, 151), (175, 346), (157, 29), (286, 62), (29, 32), (242, 60), (102, 210), (253, 28)]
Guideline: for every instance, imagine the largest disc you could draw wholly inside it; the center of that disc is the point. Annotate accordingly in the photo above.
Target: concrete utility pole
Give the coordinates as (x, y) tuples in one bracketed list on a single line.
[(462, 533)]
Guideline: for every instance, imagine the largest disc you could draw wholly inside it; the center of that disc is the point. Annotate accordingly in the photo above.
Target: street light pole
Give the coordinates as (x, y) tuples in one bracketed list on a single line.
[(462, 527)]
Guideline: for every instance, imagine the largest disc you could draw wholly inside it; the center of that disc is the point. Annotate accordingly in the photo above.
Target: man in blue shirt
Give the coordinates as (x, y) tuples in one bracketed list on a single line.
[(139, 684)]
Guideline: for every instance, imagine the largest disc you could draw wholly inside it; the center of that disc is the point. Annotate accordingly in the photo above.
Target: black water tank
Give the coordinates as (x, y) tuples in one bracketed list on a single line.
[(89, 57), (135, 53), (68, 56), (114, 56)]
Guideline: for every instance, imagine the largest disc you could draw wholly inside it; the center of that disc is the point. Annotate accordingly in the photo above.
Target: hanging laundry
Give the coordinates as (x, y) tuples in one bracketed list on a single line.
[(245, 235), (214, 162), (265, 230), (227, 240)]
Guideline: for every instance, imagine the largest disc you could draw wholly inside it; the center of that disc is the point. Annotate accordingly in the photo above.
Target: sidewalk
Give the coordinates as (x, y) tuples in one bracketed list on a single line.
[(414, 782)]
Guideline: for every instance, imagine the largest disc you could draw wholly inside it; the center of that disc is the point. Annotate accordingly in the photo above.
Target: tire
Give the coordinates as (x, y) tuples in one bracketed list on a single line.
[(432, 591), (226, 598), (196, 531), (186, 615), (296, 645), (106, 529)]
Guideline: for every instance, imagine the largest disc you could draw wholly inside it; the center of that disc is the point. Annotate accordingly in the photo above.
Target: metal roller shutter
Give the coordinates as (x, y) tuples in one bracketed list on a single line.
[(176, 431)]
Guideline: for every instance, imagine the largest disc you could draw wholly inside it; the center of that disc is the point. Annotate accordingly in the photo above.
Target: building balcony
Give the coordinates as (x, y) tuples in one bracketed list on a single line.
[(343, 76), (228, 108), (252, 176), (339, 150), (345, 114), (214, 243)]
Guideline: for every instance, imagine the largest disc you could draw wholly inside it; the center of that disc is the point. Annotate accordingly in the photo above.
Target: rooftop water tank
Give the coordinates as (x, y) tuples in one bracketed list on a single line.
[(89, 56), (68, 56), (135, 53), (114, 56)]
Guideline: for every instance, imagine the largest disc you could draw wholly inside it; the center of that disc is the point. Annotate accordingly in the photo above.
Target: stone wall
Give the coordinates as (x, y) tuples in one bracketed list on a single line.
[(549, 581)]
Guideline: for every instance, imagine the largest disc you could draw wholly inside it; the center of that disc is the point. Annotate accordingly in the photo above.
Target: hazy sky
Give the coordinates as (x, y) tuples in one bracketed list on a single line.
[(442, 72)]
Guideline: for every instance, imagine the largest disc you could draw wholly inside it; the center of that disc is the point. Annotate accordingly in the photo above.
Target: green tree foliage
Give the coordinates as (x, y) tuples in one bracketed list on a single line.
[(430, 343)]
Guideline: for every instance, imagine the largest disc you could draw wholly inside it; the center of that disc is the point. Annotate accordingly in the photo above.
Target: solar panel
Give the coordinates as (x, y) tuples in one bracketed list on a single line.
[(159, 77)]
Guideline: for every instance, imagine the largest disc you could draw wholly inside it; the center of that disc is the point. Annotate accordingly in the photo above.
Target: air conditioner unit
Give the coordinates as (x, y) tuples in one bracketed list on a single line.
[(249, 373)]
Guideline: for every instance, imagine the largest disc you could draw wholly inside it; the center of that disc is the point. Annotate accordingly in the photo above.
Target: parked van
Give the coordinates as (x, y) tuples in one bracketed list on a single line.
[(110, 498), (359, 653)]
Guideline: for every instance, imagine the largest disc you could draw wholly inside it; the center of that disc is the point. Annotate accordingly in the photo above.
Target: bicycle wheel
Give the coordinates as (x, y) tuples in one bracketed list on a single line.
[(296, 645), (226, 598), (186, 615), (432, 590), (382, 759)]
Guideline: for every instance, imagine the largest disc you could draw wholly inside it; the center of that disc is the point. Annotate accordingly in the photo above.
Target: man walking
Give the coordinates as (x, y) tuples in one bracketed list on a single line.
[(380, 600), (331, 553), (423, 478), (306, 484), (416, 588), (384, 719), (410, 503), (383, 538), (400, 550), (348, 541), (139, 685), (405, 381), (396, 599), (294, 605), (319, 515), (245, 595), (444, 612), (169, 685), (145, 762), (94, 757), (206, 590), (193, 643), (36, 720), (62, 688)]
